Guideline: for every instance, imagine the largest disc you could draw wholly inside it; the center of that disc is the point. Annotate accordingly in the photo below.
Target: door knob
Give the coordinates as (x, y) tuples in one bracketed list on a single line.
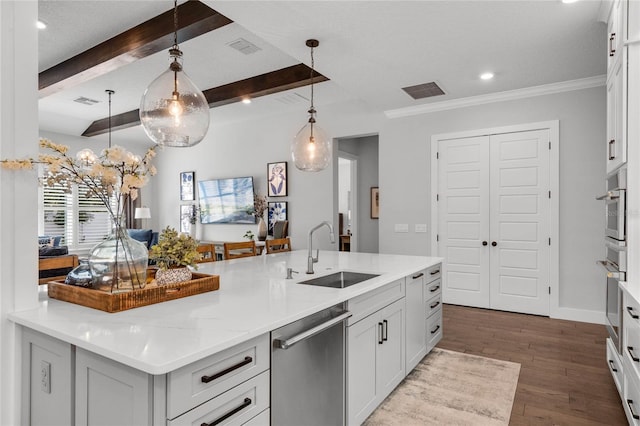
[(493, 243), (484, 243)]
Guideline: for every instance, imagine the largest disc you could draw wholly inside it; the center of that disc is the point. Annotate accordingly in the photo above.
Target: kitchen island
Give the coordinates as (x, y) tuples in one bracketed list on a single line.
[(159, 340)]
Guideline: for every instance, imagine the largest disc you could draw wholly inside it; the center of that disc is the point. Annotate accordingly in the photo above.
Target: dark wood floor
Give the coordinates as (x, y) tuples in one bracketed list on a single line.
[(564, 378)]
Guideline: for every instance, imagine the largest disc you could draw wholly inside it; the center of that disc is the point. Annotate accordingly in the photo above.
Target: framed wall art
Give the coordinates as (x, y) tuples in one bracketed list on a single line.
[(277, 179), (375, 203), (278, 210), (185, 218), (187, 186)]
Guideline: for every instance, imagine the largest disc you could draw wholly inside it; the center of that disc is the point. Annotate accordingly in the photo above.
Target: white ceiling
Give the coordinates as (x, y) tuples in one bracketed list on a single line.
[(369, 50)]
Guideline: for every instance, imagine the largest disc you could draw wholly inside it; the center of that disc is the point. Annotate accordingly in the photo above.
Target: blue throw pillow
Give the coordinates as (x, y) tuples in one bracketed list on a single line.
[(142, 235)]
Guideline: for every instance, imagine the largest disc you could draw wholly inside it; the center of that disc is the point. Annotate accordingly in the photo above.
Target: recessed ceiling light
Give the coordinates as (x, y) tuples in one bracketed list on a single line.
[(486, 76), (41, 25), (246, 101), (569, 1)]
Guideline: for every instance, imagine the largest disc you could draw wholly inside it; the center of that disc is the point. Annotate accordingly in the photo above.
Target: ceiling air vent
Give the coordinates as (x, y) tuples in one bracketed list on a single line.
[(425, 90), (85, 101), (244, 46)]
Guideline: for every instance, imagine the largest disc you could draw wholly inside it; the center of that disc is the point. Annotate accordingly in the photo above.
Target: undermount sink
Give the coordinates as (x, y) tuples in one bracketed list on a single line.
[(340, 279)]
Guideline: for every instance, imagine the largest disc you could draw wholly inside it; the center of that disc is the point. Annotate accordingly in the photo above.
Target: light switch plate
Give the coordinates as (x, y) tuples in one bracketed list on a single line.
[(421, 227), (45, 377), (402, 227)]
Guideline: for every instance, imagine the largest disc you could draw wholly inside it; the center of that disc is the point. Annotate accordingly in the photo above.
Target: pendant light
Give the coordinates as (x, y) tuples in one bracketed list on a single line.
[(311, 148), (173, 111)]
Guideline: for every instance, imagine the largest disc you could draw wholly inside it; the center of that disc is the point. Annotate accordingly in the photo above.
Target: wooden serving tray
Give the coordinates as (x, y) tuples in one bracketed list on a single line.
[(117, 302)]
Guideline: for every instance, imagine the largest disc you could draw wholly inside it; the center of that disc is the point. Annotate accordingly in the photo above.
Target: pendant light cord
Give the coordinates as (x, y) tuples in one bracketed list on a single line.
[(110, 92), (175, 23), (311, 78)]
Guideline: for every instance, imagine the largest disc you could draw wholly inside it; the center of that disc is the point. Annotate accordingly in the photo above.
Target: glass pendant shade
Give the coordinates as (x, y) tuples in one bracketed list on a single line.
[(173, 111), (311, 149)]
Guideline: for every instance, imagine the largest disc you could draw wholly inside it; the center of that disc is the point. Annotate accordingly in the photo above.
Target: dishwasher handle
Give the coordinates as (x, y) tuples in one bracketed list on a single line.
[(286, 344)]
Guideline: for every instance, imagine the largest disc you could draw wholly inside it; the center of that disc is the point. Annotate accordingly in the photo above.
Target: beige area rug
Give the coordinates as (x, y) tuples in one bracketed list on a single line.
[(451, 388)]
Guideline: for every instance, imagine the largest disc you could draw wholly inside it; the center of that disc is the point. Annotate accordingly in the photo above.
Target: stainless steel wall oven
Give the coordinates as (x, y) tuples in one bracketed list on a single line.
[(616, 208), (615, 263)]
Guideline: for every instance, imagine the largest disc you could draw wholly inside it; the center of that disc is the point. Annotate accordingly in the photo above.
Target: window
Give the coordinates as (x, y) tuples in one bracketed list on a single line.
[(83, 221)]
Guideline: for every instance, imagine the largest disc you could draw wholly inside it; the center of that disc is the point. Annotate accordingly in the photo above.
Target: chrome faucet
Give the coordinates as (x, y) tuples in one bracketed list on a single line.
[(311, 260)]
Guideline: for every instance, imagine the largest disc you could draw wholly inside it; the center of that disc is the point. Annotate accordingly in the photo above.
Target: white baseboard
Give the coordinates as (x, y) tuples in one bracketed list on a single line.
[(581, 315)]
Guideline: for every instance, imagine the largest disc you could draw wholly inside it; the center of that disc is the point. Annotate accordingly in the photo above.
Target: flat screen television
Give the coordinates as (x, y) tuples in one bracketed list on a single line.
[(226, 200)]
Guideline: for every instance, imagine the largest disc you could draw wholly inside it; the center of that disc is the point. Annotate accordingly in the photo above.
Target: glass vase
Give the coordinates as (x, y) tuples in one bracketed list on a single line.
[(119, 263)]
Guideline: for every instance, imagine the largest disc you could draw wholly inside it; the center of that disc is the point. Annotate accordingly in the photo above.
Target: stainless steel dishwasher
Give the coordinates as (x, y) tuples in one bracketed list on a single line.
[(308, 370)]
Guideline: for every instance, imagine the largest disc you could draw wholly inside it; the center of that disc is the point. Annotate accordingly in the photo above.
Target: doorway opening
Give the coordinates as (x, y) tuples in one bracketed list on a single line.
[(356, 174)]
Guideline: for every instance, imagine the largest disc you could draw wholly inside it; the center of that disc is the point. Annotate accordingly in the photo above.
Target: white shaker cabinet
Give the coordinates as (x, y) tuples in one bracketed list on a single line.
[(375, 360), (416, 328), (110, 393), (616, 114), (230, 387)]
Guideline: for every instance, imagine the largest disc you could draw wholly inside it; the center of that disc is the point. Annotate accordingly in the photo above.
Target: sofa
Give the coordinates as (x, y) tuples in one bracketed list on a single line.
[(54, 260), (146, 236)]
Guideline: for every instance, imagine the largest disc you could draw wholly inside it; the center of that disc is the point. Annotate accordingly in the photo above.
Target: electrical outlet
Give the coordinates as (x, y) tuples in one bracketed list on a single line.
[(421, 227), (402, 227), (45, 377)]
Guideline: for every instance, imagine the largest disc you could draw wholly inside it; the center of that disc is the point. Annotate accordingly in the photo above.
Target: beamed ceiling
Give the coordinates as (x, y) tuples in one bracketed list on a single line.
[(369, 51)]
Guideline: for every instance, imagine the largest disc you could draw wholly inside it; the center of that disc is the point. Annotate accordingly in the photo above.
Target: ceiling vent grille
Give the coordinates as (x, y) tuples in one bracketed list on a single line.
[(425, 90), (86, 101), (244, 46)]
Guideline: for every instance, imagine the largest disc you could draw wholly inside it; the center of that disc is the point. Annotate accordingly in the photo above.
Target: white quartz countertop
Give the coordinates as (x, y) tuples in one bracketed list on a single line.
[(254, 298)]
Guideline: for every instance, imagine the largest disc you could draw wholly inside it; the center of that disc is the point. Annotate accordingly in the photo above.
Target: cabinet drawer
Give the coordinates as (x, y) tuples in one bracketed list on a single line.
[(433, 288), (262, 419), (631, 400), (615, 365), (434, 330), (631, 309), (434, 273), (202, 380), (434, 304), (234, 407), (368, 303)]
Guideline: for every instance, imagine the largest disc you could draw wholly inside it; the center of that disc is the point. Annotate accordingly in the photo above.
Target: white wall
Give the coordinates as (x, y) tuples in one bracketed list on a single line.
[(244, 149), (405, 179), (18, 190)]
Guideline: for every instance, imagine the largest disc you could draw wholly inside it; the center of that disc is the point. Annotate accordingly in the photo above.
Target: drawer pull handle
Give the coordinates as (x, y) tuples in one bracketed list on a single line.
[(435, 304), (612, 149), (633, 357), (612, 38), (246, 403), (437, 271), (436, 288), (415, 277), (435, 330), (630, 310), (613, 366), (633, 413), (207, 379), (385, 330)]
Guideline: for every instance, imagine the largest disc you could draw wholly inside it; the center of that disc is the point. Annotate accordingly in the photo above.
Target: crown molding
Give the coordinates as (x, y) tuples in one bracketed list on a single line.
[(509, 95)]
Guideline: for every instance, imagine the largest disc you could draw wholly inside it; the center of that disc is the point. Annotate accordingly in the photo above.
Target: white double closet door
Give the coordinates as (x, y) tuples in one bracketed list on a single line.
[(493, 220)]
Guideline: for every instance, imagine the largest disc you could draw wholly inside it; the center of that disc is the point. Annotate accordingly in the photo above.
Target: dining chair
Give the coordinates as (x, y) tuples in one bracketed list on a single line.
[(240, 249), (278, 245), (280, 229), (208, 252)]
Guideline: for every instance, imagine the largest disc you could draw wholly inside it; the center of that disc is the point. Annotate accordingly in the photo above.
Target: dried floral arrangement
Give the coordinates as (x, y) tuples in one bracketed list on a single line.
[(175, 250)]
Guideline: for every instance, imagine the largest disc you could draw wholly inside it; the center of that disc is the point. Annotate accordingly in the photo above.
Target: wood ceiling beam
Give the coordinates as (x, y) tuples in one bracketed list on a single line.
[(152, 36), (265, 84)]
